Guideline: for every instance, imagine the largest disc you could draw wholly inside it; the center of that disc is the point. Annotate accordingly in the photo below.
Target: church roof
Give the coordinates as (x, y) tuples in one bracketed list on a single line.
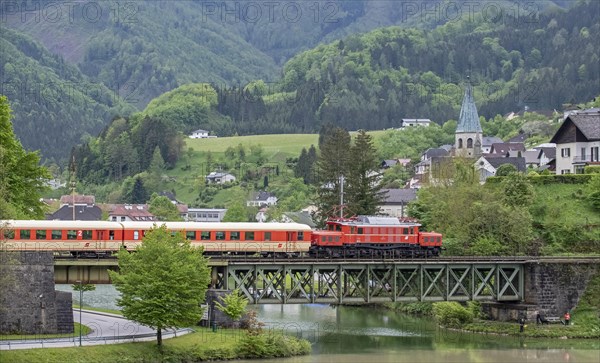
[(468, 120)]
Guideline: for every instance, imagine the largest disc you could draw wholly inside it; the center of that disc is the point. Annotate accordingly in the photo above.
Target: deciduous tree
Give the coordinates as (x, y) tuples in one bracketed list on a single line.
[(21, 177), (163, 283)]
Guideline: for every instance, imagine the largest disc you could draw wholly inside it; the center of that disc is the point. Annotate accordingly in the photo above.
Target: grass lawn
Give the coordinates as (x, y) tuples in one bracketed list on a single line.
[(199, 346), (84, 331)]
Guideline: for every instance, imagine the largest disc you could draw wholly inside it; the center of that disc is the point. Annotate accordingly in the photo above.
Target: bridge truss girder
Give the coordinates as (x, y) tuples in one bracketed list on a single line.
[(337, 283)]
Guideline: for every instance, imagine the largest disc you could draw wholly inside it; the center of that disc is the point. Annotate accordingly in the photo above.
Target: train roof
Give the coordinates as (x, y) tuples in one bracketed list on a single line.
[(373, 221), (222, 226), (46, 224)]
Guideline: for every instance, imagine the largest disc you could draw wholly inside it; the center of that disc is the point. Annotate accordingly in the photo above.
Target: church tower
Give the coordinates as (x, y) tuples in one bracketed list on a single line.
[(468, 136)]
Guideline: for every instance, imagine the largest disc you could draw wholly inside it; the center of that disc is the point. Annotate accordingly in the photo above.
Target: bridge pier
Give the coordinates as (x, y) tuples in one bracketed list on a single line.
[(556, 287)]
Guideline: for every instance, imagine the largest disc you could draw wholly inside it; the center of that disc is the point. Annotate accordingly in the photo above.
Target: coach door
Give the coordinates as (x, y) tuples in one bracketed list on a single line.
[(290, 245)]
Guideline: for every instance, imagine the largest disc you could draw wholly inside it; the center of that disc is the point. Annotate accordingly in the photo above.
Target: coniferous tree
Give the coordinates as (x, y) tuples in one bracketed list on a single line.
[(332, 166), (363, 190), (139, 194)]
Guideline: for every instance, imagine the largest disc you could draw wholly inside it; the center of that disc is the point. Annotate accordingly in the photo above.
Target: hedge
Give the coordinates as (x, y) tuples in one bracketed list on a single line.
[(548, 179)]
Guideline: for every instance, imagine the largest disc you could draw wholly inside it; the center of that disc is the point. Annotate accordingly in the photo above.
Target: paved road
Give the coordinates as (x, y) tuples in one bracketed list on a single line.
[(106, 329)]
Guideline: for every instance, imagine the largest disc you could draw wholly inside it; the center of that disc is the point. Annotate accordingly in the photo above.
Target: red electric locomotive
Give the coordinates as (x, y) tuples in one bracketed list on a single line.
[(374, 236)]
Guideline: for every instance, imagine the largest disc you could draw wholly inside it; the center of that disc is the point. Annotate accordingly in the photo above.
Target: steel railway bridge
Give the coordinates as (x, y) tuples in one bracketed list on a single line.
[(298, 281)]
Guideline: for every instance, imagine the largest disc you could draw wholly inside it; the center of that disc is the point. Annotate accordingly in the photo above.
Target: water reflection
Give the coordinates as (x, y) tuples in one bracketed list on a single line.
[(358, 334)]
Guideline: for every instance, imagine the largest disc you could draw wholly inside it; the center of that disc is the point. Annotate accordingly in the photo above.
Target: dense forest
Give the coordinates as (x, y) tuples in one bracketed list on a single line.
[(53, 103), (523, 57)]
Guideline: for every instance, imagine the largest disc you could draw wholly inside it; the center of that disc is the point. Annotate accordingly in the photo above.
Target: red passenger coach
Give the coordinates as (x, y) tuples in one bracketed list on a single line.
[(374, 236), (98, 238)]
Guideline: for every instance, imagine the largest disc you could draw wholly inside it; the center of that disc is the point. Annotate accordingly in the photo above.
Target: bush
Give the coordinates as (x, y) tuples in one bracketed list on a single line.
[(452, 314)]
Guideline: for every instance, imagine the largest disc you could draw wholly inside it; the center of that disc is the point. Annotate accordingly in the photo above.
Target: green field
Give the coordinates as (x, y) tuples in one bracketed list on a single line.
[(188, 175)]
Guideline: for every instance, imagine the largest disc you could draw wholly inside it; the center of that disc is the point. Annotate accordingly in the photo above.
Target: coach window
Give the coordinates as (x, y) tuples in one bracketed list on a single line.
[(111, 235), (71, 234), (426, 239), (219, 236), (86, 234), (249, 236), (323, 239), (360, 230), (25, 234), (267, 236), (136, 235), (190, 235), (205, 235), (234, 236), (300, 236), (40, 234), (9, 234), (56, 234)]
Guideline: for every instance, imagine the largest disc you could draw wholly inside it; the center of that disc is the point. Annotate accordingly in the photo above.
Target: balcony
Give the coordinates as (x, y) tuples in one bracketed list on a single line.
[(582, 159)]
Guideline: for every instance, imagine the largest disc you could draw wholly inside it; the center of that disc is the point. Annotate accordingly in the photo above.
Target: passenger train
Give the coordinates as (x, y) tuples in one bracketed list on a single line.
[(352, 237)]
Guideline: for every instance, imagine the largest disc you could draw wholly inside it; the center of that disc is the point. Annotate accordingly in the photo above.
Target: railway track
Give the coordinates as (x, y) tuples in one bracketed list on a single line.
[(448, 259)]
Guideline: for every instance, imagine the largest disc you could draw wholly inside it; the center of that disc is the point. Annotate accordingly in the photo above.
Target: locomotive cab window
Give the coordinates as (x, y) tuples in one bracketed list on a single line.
[(300, 236), (338, 228), (40, 234), (405, 231), (205, 235), (267, 236), (71, 234), (249, 236), (56, 234), (25, 234), (219, 236), (190, 235), (234, 236), (360, 230)]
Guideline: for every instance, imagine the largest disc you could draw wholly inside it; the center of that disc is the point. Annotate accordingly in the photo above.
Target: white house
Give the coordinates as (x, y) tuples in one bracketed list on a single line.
[(578, 142), (408, 122), (261, 199), (199, 134), (218, 177), (206, 214)]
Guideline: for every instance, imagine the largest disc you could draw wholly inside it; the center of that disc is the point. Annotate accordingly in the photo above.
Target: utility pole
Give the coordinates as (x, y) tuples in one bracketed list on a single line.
[(341, 196), (73, 184)]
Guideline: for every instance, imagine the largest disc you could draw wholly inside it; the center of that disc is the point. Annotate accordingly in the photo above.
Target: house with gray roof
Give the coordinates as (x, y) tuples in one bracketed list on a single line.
[(395, 201), (504, 148), (219, 177), (487, 142), (487, 166), (578, 142), (261, 199)]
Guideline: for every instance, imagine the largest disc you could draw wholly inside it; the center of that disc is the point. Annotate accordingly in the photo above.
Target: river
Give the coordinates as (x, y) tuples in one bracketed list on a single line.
[(347, 334)]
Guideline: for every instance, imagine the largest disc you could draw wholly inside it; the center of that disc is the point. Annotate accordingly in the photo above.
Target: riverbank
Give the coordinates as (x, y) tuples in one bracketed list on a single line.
[(202, 345)]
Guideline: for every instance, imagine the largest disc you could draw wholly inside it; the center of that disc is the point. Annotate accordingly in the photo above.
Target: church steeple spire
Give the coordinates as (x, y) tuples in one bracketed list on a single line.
[(468, 120), (468, 131)]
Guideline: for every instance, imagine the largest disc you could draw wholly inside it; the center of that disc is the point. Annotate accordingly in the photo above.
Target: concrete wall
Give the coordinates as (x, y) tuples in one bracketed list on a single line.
[(28, 302), (557, 287)]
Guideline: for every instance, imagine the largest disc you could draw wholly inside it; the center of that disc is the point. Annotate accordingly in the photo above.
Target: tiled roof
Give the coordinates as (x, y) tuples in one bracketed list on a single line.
[(588, 124), (137, 212), (505, 147), (489, 140), (79, 199), (550, 152), (82, 213), (433, 152), (519, 163), (399, 196)]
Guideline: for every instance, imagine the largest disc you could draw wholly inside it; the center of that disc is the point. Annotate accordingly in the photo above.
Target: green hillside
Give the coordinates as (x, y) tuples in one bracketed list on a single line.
[(53, 103)]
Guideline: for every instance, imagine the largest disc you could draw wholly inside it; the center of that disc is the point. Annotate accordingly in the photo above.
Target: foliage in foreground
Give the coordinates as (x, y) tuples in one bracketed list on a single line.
[(163, 283), (202, 345)]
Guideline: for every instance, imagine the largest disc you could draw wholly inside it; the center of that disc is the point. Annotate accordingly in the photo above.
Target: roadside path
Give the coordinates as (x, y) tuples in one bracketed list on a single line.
[(106, 329)]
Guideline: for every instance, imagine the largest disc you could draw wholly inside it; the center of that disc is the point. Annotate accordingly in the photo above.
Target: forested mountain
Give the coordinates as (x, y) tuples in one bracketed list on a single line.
[(519, 53), (53, 103)]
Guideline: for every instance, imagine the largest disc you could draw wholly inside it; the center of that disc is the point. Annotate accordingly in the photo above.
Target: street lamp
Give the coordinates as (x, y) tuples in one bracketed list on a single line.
[(80, 304)]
